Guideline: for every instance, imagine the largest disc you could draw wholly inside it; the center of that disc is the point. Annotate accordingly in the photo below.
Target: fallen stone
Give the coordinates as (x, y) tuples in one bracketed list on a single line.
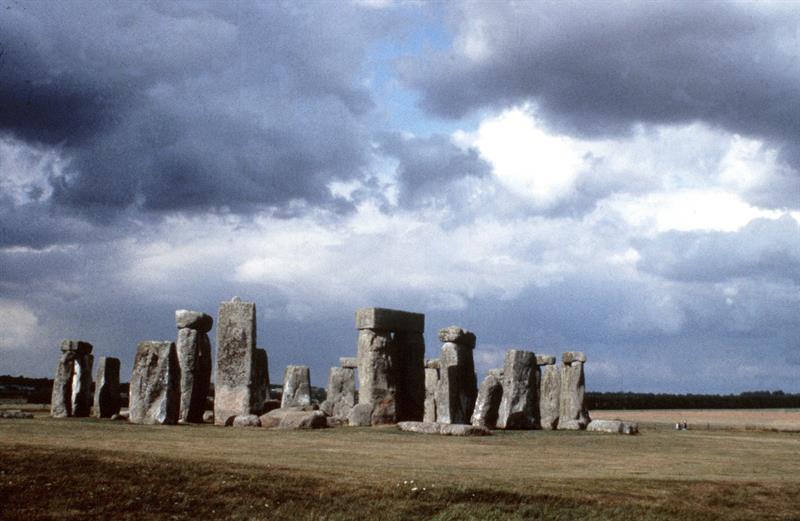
[(443, 429), (236, 343), (294, 419), (629, 428), (336, 422), (390, 320), (296, 387), (516, 409), (457, 335), (360, 415), (106, 392), (208, 417), (194, 359), (487, 405), (155, 385), (349, 362), (464, 430), (193, 320), (246, 420), (16, 415), (573, 356), (571, 425), (270, 405), (420, 427)]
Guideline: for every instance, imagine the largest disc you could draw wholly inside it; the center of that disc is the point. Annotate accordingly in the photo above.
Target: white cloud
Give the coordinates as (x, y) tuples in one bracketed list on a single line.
[(18, 324), (26, 170)]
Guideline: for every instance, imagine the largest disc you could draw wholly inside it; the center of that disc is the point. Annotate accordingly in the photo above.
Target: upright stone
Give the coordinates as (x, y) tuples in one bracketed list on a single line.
[(236, 344), (549, 392), (296, 387), (72, 383), (194, 359), (431, 386), (61, 399), (155, 384), (487, 405), (106, 388), (572, 410), (458, 386), (261, 375), (376, 377), (341, 391), (410, 366), (519, 393)]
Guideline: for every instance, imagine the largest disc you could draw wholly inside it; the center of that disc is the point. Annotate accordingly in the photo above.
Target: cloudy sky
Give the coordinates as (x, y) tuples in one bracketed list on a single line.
[(617, 178)]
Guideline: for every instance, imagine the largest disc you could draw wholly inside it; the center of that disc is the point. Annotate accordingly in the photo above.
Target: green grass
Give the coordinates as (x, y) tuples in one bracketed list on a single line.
[(91, 469)]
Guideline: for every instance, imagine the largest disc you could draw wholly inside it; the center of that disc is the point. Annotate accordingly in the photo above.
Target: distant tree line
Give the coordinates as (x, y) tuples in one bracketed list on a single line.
[(745, 400)]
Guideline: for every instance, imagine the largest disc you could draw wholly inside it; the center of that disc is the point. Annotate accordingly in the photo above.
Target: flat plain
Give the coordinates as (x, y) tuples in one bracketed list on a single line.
[(92, 469), (746, 419)]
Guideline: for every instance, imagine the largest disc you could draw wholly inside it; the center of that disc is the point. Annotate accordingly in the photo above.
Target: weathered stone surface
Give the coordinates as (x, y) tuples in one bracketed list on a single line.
[(545, 359), (246, 420), (341, 392), (487, 404), (194, 360), (570, 425), (61, 399), (72, 381), (294, 419), (360, 415), (82, 386), (155, 384), (519, 393), (612, 426), (573, 390), (431, 386), (442, 428), (458, 387), (382, 319), (349, 362), (629, 428), (16, 415), (432, 363), (236, 344), (377, 378), (106, 387), (457, 335), (573, 356), (76, 346), (208, 417), (498, 373), (193, 320), (296, 387), (549, 393), (336, 422), (409, 368), (261, 377)]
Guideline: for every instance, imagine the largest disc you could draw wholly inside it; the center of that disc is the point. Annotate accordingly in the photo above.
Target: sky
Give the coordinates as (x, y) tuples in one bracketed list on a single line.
[(619, 178)]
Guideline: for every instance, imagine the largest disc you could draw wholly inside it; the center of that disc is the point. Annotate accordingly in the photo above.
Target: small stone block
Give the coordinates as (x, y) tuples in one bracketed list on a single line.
[(457, 335), (77, 346), (545, 359), (390, 320), (573, 356), (193, 320)]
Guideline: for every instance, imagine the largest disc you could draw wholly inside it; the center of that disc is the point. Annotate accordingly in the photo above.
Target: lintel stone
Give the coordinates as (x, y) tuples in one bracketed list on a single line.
[(390, 320), (77, 346), (573, 356), (545, 359)]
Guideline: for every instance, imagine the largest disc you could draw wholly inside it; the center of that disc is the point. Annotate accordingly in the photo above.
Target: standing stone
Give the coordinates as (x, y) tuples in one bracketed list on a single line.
[(458, 385), (409, 361), (377, 382), (572, 410), (487, 404), (261, 375), (431, 386), (519, 392), (341, 391), (549, 392), (106, 388), (236, 344), (296, 387), (194, 359), (73, 380), (155, 384)]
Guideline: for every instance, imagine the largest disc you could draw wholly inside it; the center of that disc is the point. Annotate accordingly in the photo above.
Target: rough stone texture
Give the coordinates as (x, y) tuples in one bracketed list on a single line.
[(443, 429), (296, 387), (106, 388), (360, 415), (294, 419), (573, 391), (545, 359), (409, 367), (376, 375), (16, 415), (457, 335), (570, 425), (431, 385), (193, 320), (341, 392), (487, 404), (458, 386), (432, 363), (336, 422), (194, 359), (629, 428), (72, 381), (208, 417), (261, 378), (61, 399), (236, 344), (349, 362), (573, 356), (76, 346), (155, 384), (497, 373), (549, 393), (390, 320), (246, 420), (519, 392)]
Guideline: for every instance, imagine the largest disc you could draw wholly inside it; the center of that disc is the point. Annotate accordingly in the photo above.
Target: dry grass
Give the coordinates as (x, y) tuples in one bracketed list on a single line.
[(746, 419)]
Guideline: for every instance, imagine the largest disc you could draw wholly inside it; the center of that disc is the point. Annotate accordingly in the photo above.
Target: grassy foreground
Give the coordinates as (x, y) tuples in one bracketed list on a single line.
[(88, 469)]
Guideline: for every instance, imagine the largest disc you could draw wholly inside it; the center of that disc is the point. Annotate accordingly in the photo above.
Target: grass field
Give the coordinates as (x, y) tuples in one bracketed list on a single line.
[(741, 419), (91, 469)]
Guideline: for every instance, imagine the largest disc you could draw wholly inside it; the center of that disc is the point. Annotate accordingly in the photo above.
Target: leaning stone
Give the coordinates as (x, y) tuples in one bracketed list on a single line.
[(193, 320), (487, 404), (457, 335), (208, 417), (549, 393), (377, 382), (106, 392), (155, 385), (390, 320), (350, 362), (519, 392), (246, 420), (76, 346), (194, 359), (545, 359), (573, 356), (360, 415), (296, 387), (236, 343)]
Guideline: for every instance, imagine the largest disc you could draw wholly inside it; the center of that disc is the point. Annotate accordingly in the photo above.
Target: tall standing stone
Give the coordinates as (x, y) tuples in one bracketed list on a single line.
[(155, 384), (487, 405), (236, 344), (458, 386), (106, 388), (549, 392), (296, 387), (72, 382), (410, 365), (341, 391), (194, 359), (519, 391), (572, 410), (431, 387), (261, 376), (377, 379)]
